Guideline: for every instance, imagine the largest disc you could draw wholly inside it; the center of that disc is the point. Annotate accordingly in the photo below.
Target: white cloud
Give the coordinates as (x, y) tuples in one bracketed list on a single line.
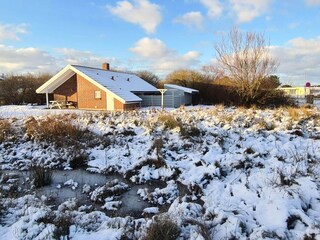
[(247, 10), (33, 60), (150, 48), (25, 60), (11, 31), (313, 2), (162, 59), (142, 12), (191, 19), (85, 58), (214, 7), (299, 60)]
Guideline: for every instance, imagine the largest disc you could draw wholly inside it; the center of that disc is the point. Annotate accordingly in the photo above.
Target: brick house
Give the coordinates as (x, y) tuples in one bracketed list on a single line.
[(94, 88)]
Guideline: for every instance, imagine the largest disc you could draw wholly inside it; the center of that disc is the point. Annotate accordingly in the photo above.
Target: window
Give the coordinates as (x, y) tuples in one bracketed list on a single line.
[(97, 94)]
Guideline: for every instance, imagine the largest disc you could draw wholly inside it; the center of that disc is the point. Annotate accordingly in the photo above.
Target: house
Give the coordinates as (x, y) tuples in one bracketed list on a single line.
[(174, 96), (300, 92), (95, 88)]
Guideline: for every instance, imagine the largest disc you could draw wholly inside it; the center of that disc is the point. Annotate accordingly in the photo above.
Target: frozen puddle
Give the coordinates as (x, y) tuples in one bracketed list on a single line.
[(70, 184)]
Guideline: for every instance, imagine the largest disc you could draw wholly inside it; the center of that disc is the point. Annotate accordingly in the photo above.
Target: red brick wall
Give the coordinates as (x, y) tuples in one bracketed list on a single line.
[(131, 106), (119, 106), (67, 91), (86, 99)]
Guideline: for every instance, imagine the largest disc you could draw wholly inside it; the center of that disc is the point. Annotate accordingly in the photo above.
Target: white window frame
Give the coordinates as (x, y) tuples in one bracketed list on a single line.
[(97, 94)]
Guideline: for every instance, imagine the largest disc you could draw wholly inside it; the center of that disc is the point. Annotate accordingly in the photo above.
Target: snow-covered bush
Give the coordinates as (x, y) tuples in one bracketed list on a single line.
[(114, 187), (162, 228), (61, 222), (201, 231), (165, 195)]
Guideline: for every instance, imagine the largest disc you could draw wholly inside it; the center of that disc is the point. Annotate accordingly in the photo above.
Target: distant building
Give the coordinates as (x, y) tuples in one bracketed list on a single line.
[(2, 77), (301, 92)]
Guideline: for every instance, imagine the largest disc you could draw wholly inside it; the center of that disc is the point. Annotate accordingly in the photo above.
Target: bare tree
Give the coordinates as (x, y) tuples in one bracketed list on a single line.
[(188, 78), (149, 77), (19, 89), (245, 59)]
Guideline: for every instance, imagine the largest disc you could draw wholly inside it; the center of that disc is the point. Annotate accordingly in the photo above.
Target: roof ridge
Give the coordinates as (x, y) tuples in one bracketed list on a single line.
[(75, 65)]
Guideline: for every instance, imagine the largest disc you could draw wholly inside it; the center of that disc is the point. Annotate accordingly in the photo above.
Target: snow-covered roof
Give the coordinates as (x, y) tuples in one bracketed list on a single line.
[(121, 85), (185, 89)]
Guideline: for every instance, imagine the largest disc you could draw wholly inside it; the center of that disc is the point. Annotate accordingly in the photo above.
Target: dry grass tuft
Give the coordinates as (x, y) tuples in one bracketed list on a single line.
[(41, 176), (263, 124), (52, 129), (297, 114), (158, 145), (306, 112), (5, 130), (294, 113), (169, 121), (163, 228)]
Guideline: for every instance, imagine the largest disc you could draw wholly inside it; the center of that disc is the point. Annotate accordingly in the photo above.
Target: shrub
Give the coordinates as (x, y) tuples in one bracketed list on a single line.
[(128, 132), (62, 222), (60, 131), (169, 121), (272, 98), (163, 228), (190, 131), (79, 159), (41, 176), (21, 89), (5, 130)]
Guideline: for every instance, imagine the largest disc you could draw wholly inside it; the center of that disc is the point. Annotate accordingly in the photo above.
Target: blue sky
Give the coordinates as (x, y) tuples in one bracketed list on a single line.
[(159, 36)]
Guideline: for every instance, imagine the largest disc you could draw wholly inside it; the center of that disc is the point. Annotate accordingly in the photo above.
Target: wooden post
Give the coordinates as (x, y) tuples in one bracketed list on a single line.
[(162, 91), (47, 99)]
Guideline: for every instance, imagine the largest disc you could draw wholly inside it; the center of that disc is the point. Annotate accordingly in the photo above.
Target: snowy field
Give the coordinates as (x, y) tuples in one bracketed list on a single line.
[(237, 173)]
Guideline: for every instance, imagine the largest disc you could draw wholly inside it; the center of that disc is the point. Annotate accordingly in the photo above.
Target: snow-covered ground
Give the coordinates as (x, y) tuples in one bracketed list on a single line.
[(248, 173)]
